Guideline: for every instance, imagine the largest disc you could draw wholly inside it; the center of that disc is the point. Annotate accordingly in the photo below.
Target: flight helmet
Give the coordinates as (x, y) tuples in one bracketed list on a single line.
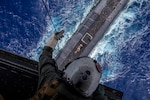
[(83, 74)]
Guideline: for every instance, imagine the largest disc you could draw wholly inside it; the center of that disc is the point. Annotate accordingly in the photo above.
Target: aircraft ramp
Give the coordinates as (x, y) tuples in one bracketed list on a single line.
[(19, 78)]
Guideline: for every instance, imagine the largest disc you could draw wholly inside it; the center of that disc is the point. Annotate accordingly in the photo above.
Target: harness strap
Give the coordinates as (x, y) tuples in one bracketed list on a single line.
[(47, 91), (1, 97)]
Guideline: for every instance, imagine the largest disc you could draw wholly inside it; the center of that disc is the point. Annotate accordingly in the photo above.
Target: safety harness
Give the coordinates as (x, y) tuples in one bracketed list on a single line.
[(47, 92)]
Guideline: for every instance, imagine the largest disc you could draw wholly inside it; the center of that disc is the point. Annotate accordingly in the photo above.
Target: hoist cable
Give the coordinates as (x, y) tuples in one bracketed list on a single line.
[(48, 12)]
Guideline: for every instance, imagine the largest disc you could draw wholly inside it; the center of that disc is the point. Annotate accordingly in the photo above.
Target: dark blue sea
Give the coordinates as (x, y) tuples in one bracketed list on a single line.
[(124, 51)]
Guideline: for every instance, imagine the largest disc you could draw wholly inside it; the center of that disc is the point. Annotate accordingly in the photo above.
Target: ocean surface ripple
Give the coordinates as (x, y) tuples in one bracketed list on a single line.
[(124, 52)]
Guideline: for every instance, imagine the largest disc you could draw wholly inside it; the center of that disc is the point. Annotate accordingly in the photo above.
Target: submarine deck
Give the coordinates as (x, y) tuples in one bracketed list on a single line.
[(90, 31)]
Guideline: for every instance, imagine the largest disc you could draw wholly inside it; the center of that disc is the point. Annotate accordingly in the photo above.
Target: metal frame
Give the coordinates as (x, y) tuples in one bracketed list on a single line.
[(85, 36)]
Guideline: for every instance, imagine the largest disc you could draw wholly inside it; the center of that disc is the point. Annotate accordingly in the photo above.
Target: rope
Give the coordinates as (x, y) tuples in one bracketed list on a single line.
[(48, 12)]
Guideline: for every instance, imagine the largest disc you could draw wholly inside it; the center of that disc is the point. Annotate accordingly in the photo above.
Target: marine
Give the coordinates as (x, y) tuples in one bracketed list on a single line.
[(78, 81)]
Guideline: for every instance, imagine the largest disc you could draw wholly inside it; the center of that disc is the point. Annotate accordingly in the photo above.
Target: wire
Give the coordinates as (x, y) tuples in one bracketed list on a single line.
[(48, 12)]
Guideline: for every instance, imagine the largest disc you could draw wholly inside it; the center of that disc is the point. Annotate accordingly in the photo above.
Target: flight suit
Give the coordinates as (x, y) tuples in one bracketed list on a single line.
[(60, 90)]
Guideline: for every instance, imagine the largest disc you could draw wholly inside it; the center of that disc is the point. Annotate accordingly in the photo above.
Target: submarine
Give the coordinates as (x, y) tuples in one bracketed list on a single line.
[(90, 31)]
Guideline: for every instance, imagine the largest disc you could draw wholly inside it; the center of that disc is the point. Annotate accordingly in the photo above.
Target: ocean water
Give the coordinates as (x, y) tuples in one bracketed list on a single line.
[(66, 15), (22, 23), (124, 51)]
